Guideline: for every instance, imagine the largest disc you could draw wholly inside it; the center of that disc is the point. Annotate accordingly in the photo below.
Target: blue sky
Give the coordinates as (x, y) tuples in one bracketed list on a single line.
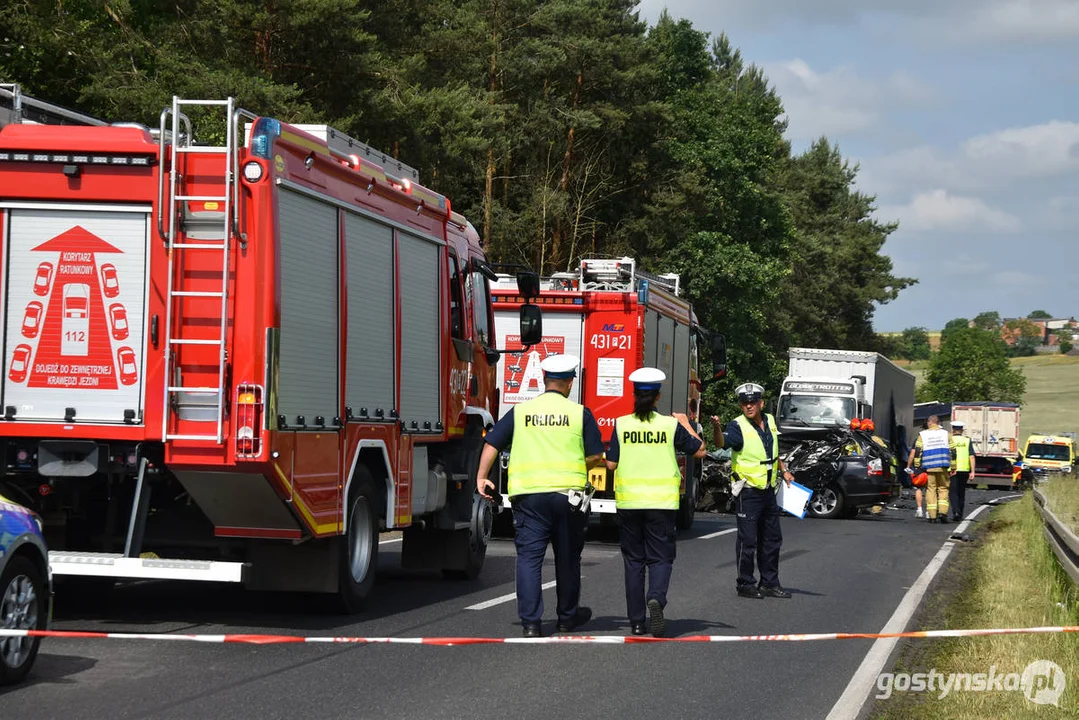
[(964, 118)]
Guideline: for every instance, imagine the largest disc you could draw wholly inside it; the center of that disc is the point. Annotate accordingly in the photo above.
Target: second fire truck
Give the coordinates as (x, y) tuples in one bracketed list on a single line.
[(616, 318)]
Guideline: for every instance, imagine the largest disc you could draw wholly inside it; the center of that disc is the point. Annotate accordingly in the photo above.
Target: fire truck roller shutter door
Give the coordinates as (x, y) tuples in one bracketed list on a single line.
[(308, 383), (665, 362), (680, 371), (369, 376), (651, 336), (420, 378)]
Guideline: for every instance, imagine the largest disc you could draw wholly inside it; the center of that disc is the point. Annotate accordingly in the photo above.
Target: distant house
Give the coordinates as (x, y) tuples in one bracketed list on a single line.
[(1052, 329)]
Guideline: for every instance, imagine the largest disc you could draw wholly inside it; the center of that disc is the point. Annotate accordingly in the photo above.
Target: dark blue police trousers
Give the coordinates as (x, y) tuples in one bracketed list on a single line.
[(759, 536), (648, 540), (539, 518)]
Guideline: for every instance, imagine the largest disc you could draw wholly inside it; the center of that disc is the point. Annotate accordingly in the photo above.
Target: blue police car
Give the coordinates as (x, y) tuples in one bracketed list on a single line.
[(25, 588)]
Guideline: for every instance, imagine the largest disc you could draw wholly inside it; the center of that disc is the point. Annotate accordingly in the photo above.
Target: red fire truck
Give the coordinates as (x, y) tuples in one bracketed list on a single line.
[(616, 318), (245, 359)]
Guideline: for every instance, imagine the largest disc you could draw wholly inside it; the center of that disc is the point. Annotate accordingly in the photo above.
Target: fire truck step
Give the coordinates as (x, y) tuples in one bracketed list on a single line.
[(199, 246), (197, 293), (181, 388), (201, 438), (191, 341), (116, 565)]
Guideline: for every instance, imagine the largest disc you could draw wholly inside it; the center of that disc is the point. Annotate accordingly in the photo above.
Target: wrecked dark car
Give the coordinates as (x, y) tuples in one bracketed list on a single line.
[(846, 469)]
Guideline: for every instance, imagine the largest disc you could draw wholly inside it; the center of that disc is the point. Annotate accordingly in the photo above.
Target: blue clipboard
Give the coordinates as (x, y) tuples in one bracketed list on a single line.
[(793, 499)]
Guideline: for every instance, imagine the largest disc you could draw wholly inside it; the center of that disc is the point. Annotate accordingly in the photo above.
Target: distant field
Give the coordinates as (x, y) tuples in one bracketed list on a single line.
[(1051, 403)]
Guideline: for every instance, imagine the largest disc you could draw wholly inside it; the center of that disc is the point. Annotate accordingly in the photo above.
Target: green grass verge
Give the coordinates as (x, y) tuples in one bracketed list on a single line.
[(1011, 579), (1062, 496)]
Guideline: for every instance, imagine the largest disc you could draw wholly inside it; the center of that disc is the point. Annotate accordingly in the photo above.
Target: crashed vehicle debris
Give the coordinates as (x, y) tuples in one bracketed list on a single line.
[(846, 469)]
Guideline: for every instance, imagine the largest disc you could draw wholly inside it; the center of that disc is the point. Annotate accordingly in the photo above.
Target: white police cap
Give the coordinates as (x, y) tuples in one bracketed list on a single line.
[(749, 392), (560, 367), (958, 424), (647, 378)]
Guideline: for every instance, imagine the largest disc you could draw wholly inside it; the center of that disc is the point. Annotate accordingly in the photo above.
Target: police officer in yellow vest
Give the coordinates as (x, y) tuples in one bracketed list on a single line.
[(554, 443), (963, 471), (754, 442), (646, 489)]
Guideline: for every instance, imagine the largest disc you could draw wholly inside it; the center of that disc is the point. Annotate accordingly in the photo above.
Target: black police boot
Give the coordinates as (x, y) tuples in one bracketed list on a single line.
[(531, 630), (637, 628), (750, 591), (655, 613), (774, 591), (583, 615)]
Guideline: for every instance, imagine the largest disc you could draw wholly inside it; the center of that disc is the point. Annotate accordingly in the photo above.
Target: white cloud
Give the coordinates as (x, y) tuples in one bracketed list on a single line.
[(939, 210), (839, 100), (1038, 150), (988, 161), (1027, 19), (1007, 21)]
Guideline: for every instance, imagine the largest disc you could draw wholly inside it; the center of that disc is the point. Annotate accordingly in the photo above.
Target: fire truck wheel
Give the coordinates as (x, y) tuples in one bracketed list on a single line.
[(359, 551), (478, 534)]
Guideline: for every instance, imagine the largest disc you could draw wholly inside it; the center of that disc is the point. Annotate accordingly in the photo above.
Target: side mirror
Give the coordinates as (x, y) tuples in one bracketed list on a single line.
[(531, 324), (484, 269), (719, 357), (528, 285)]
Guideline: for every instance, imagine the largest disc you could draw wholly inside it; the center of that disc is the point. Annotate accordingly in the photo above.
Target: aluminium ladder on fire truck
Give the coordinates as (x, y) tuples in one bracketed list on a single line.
[(18, 108), (213, 235)]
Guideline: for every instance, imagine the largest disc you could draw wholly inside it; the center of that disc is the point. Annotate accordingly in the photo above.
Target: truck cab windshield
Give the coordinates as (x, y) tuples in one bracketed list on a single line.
[(816, 409)]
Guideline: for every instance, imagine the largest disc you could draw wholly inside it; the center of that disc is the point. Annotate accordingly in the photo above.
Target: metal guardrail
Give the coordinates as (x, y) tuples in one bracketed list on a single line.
[(1061, 538)]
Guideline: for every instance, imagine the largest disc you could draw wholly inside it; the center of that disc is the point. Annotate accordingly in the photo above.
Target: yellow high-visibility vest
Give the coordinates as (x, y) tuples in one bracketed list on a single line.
[(647, 477), (961, 444), (753, 462), (547, 454)]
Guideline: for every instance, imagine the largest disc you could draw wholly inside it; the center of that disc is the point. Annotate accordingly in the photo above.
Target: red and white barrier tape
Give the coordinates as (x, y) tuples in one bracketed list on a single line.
[(255, 639)]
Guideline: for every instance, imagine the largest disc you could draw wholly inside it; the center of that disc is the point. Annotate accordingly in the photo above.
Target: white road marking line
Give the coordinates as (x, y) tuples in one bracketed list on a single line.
[(864, 679), (387, 542), (728, 531), (504, 598)]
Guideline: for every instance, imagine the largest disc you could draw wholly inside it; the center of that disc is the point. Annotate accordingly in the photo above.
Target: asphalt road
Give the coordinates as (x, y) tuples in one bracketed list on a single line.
[(846, 575)]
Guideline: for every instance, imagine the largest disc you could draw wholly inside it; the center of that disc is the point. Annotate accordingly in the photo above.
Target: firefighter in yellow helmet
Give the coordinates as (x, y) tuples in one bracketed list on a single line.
[(754, 442), (646, 487), (555, 442)]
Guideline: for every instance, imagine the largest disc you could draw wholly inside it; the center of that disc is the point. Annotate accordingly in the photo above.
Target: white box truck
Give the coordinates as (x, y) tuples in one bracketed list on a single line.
[(828, 388), (993, 429)]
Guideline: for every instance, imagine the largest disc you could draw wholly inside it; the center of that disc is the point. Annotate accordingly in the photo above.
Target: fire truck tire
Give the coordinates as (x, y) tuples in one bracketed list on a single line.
[(359, 551)]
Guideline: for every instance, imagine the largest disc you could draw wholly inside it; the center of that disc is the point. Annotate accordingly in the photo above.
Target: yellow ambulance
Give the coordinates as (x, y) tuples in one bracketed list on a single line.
[(1050, 453)]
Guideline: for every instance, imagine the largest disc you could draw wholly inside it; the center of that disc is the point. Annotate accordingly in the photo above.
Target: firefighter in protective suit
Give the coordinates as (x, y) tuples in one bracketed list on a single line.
[(756, 467), (555, 441), (647, 484)]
